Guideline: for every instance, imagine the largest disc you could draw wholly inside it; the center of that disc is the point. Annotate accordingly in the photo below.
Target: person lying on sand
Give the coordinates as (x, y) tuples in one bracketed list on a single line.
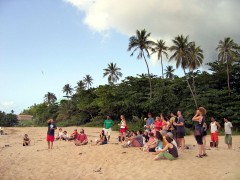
[(26, 140)]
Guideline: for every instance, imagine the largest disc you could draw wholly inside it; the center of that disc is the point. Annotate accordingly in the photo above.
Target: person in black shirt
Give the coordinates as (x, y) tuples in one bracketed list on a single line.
[(50, 133)]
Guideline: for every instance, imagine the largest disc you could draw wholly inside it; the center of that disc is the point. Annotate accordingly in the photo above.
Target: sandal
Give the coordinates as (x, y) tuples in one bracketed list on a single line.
[(205, 154), (199, 156)]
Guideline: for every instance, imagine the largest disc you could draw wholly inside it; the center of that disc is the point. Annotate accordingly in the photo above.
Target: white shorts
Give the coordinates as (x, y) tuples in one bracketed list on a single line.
[(107, 132)]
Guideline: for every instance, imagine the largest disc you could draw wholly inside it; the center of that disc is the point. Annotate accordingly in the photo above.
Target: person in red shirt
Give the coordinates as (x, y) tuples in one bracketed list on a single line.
[(74, 135), (81, 139), (158, 123)]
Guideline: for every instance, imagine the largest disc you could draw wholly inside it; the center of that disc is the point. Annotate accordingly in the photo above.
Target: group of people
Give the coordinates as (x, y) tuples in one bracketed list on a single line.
[(163, 136)]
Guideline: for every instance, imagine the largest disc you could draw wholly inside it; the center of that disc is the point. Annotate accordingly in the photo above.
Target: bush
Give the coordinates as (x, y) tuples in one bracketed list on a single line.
[(97, 121), (26, 123)]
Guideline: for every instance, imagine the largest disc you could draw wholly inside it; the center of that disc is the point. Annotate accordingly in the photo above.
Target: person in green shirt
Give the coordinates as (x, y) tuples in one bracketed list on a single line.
[(108, 123)]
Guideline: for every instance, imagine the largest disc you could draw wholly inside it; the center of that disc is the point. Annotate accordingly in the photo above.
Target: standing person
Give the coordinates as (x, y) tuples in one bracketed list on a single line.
[(50, 133), (108, 123), (123, 125), (214, 128), (158, 123), (149, 121), (180, 125), (199, 117), (172, 127), (228, 132)]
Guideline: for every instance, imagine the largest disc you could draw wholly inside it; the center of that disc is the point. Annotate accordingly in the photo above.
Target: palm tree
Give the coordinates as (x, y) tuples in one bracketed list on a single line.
[(141, 42), (88, 80), (50, 98), (80, 85), (161, 49), (113, 73), (195, 60), (68, 90), (169, 72), (227, 52), (181, 55)]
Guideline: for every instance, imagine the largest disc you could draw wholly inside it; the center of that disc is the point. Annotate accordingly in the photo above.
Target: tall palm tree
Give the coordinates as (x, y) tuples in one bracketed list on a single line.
[(160, 48), (113, 73), (68, 90), (50, 98), (88, 80), (195, 60), (181, 55), (169, 72), (141, 42), (227, 52)]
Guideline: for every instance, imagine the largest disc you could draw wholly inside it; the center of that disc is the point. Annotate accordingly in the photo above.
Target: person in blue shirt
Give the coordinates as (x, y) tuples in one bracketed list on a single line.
[(149, 121)]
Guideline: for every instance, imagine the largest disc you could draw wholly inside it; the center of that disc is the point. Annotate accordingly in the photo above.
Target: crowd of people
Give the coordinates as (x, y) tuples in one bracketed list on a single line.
[(163, 136)]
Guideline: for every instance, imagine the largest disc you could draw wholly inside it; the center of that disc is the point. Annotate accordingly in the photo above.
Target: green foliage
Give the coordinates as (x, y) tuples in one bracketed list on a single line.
[(8, 120), (26, 123)]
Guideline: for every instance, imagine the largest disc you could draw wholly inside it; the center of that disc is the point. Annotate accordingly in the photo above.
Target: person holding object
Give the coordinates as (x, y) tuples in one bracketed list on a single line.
[(199, 117), (108, 123), (149, 121), (50, 133)]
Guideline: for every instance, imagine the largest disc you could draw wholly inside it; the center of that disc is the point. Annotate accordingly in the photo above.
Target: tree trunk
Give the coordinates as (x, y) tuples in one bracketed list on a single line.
[(194, 98), (162, 67), (228, 78), (149, 77)]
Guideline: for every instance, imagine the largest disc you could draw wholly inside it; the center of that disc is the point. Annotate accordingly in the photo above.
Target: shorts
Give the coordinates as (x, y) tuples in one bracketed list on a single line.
[(50, 138), (199, 140), (214, 136), (204, 133), (107, 132), (122, 130), (228, 139), (180, 134)]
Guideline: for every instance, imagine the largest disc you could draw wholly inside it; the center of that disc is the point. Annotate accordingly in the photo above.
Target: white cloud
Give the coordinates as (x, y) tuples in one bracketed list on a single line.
[(7, 106), (205, 21)]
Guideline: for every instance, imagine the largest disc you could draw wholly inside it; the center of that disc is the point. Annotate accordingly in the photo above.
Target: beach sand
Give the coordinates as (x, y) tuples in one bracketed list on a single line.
[(111, 161)]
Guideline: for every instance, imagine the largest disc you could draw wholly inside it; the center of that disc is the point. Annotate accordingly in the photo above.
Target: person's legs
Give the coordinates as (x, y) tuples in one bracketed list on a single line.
[(51, 144), (164, 155), (135, 143), (48, 144)]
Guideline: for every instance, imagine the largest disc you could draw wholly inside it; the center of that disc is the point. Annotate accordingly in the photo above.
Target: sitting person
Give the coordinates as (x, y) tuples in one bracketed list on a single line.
[(169, 152), (158, 144), (60, 134), (26, 140), (102, 139), (81, 139), (150, 142), (170, 134), (74, 135), (146, 136), (65, 136), (136, 140), (164, 135)]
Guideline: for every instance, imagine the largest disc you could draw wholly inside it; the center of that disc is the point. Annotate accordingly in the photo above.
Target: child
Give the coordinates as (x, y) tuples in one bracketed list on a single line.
[(158, 143), (26, 140), (65, 136), (150, 142), (60, 134), (169, 152)]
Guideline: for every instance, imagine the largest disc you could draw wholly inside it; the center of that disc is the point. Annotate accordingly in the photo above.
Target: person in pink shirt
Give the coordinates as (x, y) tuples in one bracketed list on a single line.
[(81, 139)]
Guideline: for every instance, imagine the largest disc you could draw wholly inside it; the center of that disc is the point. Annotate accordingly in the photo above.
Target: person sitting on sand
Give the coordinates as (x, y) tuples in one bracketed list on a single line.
[(102, 139), (26, 140), (146, 136), (65, 136), (60, 134), (158, 144), (74, 135), (136, 140), (170, 134), (81, 139), (169, 152), (150, 141)]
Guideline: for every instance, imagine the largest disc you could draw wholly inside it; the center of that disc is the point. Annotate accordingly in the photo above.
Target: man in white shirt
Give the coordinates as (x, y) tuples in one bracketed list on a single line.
[(228, 132), (214, 129)]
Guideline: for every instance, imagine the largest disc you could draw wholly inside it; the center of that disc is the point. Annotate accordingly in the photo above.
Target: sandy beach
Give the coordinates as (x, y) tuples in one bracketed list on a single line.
[(111, 161)]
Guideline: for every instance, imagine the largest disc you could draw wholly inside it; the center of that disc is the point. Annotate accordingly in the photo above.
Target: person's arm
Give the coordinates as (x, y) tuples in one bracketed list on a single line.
[(164, 149), (218, 125), (197, 118)]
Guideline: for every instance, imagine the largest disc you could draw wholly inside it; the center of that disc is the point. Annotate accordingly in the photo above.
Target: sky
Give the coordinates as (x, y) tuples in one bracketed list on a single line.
[(45, 44)]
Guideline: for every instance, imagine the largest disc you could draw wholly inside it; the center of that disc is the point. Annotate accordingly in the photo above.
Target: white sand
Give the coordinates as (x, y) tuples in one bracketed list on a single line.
[(67, 161)]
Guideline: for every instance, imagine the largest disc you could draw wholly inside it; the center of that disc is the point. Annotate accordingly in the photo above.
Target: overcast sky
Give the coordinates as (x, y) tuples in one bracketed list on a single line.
[(46, 44)]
